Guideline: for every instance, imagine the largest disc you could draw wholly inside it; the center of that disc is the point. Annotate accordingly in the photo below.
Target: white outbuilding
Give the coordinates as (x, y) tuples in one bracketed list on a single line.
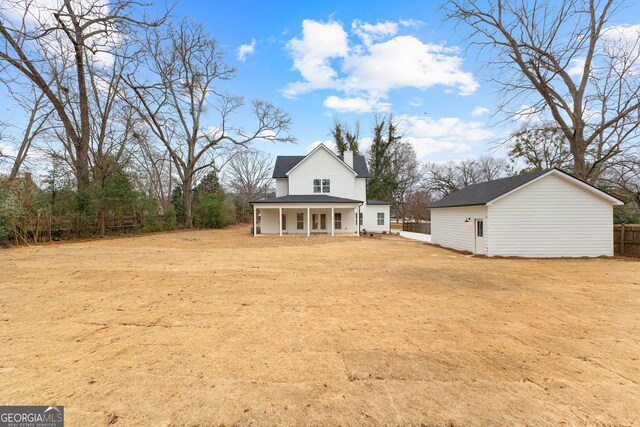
[(546, 213)]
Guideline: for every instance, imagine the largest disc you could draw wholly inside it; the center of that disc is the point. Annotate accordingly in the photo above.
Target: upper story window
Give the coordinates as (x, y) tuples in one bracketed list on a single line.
[(322, 186)]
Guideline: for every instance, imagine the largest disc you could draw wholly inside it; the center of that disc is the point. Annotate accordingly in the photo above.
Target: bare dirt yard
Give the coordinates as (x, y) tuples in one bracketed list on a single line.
[(209, 328)]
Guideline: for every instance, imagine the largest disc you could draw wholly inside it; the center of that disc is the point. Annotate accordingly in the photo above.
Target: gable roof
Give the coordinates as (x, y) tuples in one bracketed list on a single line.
[(285, 163), (487, 192)]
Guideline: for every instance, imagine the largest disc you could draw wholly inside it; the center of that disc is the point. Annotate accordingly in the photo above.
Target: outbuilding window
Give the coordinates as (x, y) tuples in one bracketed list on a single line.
[(380, 218)]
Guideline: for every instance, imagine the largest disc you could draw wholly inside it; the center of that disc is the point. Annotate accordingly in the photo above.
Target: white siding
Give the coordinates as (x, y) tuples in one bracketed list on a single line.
[(322, 165), (370, 218), (449, 229), (360, 190), (348, 221), (282, 187), (551, 218), (269, 221)]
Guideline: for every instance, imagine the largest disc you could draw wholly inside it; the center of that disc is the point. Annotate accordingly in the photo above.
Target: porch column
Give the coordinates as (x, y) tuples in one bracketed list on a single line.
[(333, 222), (280, 219), (358, 225), (255, 221), (308, 222)]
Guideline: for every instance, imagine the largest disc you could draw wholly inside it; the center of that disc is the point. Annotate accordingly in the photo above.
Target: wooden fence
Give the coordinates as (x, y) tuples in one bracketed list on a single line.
[(417, 227), (46, 227), (626, 239)]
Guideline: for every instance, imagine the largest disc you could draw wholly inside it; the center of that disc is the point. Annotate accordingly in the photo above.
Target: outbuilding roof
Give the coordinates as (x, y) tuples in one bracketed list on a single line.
[(485, 192), (306, 198), (285, 163)]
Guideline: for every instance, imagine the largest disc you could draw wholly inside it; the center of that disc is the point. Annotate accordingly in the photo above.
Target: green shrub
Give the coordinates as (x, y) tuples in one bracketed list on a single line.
[(211, 211), (626, 214), (170, 218)]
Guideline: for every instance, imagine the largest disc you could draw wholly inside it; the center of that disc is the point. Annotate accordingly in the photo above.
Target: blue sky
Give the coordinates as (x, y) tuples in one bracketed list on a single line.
[(446, 115), (320, 60)]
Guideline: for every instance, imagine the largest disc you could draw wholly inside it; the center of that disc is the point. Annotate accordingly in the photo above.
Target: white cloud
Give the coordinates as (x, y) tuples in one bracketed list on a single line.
[(8, 150), (329, 143), (629, 33), (320, 43), (369, 33), (479, 111), (246, 50), (384, 61), (411, 22), (355, 105), (429, 135), (416, 102), (576, 67)]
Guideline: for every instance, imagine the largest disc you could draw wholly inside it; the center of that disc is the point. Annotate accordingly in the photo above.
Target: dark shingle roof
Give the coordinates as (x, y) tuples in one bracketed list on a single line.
[(285, 163), (484, 192), (378, 202), (306, 198)]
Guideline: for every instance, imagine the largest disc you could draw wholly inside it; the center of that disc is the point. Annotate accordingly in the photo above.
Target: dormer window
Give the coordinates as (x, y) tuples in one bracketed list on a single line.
[(322, 186)]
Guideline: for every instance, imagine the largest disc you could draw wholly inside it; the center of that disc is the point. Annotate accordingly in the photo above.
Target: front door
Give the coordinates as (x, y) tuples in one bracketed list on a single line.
[(319, 222), (479, 236)]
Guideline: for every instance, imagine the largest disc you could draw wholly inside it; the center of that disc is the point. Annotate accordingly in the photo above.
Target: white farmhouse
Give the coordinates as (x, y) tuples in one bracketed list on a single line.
[(321, 193), (545, 213)]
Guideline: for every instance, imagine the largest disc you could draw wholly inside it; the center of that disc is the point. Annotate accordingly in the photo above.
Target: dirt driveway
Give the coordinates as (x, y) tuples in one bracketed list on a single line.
[(210, 328)]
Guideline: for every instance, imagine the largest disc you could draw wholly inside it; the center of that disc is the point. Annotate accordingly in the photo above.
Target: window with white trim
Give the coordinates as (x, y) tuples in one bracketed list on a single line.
[(380, 218), (337, 219), (300, 220), (322, 185)]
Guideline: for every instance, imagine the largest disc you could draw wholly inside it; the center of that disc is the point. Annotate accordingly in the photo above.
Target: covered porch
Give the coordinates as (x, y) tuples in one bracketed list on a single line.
[(306, 218)]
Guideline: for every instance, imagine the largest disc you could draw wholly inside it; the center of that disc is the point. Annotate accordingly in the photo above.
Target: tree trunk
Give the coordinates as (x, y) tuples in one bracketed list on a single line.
[(83, 140), (187, 202), (102, 213), (82, 164), (579, 165)]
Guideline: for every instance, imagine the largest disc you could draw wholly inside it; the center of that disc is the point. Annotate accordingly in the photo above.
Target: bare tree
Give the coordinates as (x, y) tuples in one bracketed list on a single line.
[(565, 59), (51, 47), (112, 126), (407, 172), (155, 170), (33, 103), (186, 64), (489, 168), (539, 148), (442, 179), (248, 176), (624, 179)]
